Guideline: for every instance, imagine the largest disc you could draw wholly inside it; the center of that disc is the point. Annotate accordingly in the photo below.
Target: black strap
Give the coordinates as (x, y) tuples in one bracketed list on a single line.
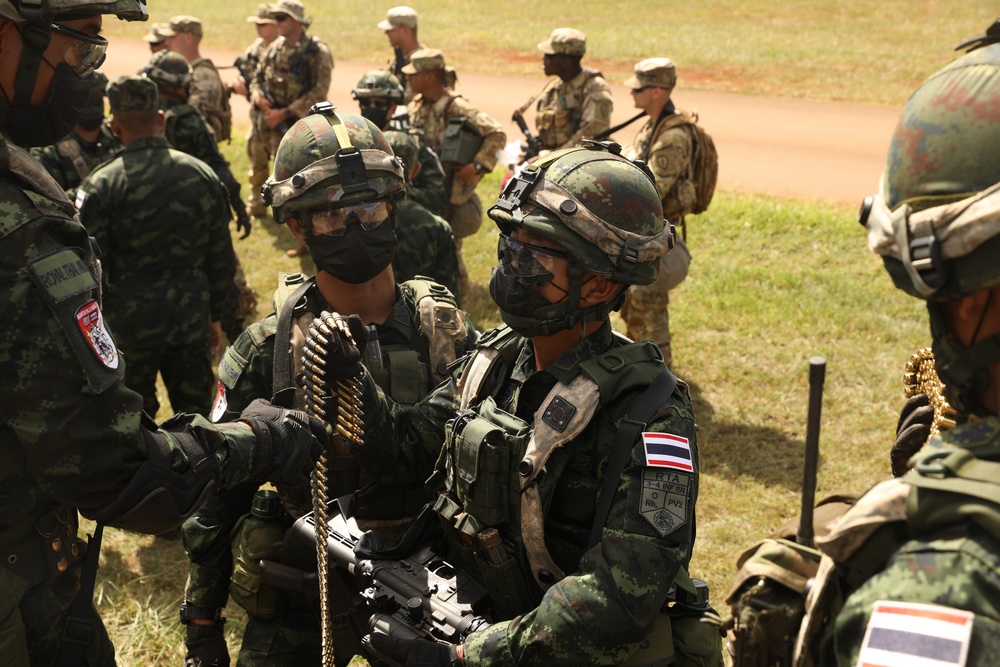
[(79, 628), (601, 136), (639, 413), (282, 371)]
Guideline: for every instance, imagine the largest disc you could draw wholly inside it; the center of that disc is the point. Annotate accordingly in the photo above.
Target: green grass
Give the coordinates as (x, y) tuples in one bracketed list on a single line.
[(772, 283), (824, 49)]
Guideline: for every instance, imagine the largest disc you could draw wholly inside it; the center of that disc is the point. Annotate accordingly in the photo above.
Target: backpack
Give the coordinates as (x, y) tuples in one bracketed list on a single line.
[(704, 161)]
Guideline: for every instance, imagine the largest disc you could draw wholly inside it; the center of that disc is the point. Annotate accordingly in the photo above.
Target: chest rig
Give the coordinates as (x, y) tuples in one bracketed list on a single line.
[(501, 472)]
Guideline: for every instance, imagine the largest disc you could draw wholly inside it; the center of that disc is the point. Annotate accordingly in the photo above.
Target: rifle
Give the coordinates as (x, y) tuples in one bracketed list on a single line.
[(243, 67), (419, 595), (534, 143), (601, 136), (400, 62)]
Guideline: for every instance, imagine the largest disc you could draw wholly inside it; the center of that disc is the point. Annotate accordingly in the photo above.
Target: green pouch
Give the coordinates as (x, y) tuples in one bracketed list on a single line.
[(255, 540)]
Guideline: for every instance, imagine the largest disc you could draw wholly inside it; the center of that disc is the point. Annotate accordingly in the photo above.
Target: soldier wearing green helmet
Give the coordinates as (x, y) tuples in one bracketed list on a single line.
[(338, 187), (74, 436), (574, 445)]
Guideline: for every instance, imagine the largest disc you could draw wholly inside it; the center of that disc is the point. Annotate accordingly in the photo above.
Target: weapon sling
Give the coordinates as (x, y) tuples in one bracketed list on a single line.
[(78, 628), (639, 413)]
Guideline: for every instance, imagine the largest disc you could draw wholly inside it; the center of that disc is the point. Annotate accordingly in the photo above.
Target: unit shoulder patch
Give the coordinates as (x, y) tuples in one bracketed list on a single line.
[(665, 499), (61, 275), (91, 322)]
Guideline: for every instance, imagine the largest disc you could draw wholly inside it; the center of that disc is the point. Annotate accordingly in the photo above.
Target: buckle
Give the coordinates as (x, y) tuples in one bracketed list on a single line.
[(190, 612), (927, 261), (518, 188)]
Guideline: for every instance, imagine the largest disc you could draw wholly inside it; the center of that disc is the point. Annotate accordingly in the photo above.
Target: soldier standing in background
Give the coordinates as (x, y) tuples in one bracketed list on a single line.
[(575, 105), (293, 75), (78, 434), (165, 306), (260, 158), (668, 150), (433, 105), (156, 38), (400, 26), (426, 246), (208, 94), (378, 93), (91, 142)]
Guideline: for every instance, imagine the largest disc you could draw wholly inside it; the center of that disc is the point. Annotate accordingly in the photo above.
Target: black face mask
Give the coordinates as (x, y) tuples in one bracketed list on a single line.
[(357, 255), (380, 117), (91, 118), (44, 125)]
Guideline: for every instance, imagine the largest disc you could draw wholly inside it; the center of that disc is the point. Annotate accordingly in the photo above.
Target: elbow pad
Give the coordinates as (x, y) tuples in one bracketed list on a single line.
[(158, 498)]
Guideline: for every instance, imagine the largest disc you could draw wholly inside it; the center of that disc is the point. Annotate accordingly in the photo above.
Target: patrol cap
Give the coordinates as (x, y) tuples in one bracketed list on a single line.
[(568, 41), (157, 33), (659, 72), (399, 17), (183, 23), (292, 8), (262, 17), (132, 93), (424, 60)]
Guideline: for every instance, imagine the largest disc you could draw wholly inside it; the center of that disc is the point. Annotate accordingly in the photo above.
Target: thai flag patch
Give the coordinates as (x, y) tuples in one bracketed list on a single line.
[(910, 634), (666, 450)]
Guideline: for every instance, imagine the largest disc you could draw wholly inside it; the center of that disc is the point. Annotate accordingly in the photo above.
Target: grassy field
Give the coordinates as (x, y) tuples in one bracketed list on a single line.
[(824, 49), (772, 283)]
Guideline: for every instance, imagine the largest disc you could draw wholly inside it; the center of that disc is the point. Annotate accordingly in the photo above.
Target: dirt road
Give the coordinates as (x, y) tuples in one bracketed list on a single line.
[(800, 148)]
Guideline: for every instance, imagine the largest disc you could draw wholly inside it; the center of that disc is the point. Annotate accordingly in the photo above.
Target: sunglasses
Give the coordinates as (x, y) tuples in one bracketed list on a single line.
[(85, 53), (281, 18)]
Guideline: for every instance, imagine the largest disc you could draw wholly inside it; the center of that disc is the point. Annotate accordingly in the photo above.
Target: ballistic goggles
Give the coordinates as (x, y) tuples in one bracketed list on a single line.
[(333, 220), (529, 262), (85, 53)]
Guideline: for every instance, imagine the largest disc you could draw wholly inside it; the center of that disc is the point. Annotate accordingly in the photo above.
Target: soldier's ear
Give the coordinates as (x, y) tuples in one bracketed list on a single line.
[(599, 290), (161, 120), (296, 228)]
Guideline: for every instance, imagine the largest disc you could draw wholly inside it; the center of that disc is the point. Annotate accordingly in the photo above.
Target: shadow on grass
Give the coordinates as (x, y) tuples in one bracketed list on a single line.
[(734, 449)]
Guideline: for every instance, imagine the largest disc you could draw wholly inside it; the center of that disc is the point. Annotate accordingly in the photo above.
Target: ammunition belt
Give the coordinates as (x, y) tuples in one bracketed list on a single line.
[(48, 549)]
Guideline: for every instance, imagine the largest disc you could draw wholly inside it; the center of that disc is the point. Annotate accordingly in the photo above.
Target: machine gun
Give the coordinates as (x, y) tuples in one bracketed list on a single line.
[(534, 143), (419, 595)]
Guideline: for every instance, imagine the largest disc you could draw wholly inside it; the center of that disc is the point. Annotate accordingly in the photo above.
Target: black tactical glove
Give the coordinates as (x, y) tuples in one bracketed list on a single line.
[(912, 431), (239, 209), (206, 646), (341, 355), (416, 652), (288, 442)]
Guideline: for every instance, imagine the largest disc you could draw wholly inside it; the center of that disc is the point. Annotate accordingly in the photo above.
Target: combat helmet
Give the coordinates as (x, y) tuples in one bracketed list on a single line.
[(405, 147), (936, 219), (331, 158), (168, 68), (47, 11), (603, 209), (380, 84)]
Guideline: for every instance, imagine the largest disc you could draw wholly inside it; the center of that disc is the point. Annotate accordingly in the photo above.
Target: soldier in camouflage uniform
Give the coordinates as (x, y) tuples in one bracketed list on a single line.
[(165, 305), (378, 93), (426, 246), (156, 37), (208, 94), (911, 574), (575, 105), (400, 27), (539, 406), (293, 75), (415, 328), (186, 131), (74, 436), (91, 142), (668, 151), (433, 105), (260, 158)]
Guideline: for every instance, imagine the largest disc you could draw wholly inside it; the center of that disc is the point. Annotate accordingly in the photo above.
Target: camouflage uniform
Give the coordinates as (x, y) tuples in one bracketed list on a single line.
[(74, 434), (246, 373), (209, 97), (293, 77), (426, 247), (162, 302), (668, 152), (70, 160), (260, 157)]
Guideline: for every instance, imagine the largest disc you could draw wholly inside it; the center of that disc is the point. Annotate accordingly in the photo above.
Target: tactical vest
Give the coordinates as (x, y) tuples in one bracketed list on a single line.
[(955, 482), (556, 125), (492, 463)]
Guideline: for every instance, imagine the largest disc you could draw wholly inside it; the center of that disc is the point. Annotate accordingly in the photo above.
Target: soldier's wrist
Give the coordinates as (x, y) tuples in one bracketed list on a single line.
[(192, 614)]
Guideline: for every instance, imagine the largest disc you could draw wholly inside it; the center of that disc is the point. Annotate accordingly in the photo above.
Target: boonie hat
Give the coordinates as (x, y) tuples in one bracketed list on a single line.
[(568, 41), (659, 72), (132, 93), (293, 8), (399, 17), (262, 17), (157, 33), (424, 60)]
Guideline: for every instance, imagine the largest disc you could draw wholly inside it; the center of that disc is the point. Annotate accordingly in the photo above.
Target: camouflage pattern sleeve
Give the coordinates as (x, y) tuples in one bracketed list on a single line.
[(670, 160), (246, 370), (321, 64), (427, 188), (53, 163), (600, 614), (597, 104), (192, 136), (220, 262), (426, 246), (494, 138)]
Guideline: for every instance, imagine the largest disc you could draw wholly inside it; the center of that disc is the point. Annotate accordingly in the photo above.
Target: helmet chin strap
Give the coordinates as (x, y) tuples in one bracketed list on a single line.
[(35, 39)]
